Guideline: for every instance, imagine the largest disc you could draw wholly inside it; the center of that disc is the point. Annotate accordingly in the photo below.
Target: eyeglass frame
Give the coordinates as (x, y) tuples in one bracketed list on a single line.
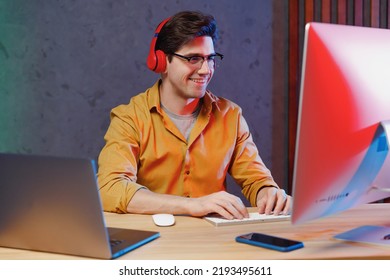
[(204, 58)]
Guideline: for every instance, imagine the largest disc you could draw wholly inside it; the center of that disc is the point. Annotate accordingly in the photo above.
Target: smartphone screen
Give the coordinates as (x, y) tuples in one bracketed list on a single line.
[(269, 242)]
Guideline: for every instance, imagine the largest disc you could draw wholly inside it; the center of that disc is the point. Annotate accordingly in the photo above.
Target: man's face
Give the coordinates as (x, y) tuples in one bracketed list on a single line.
[(187, 80)]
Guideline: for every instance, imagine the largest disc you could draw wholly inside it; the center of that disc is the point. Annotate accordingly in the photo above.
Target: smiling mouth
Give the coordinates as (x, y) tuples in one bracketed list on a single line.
[(199, 81)]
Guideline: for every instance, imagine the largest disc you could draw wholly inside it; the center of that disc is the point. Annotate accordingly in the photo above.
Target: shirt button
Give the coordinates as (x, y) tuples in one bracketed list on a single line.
[(187, 172)]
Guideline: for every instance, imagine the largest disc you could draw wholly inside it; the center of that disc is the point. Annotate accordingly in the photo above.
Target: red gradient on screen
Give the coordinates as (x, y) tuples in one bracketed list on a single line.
[(337, 118)]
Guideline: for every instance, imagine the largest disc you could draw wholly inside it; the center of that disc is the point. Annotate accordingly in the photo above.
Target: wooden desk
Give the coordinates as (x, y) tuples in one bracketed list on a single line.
[(193, 238)]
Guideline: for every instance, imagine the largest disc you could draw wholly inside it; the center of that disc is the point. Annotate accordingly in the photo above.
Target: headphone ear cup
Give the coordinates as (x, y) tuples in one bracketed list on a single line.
[(156, 60), (151, 60), (161, 61)]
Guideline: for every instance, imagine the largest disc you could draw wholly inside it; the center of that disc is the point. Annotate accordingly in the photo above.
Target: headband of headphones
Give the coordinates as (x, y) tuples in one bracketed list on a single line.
[(156, 60)]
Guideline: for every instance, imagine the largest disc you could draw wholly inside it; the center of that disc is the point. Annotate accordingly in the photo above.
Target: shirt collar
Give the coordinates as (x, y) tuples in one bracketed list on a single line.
[(154, 98)]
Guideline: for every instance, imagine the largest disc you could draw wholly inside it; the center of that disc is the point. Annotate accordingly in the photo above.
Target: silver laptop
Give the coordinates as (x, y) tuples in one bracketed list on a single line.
[(52, 204)]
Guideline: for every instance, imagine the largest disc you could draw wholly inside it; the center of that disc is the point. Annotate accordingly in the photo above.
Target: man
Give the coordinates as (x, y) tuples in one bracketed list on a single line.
[(169, 150)]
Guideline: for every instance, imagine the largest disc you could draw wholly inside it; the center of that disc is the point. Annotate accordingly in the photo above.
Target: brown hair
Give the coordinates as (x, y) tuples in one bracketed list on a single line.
[(182, 28)]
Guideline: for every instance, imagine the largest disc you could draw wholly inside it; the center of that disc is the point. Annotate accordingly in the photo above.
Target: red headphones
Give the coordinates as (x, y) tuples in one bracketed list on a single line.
[(156, 60)]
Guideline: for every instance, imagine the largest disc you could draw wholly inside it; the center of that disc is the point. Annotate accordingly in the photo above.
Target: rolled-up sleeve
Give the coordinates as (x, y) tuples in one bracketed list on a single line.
[(248, 169), (118, 160)]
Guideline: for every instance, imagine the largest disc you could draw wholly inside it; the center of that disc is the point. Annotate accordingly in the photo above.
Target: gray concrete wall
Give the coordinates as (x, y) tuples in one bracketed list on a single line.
[(65, 64)]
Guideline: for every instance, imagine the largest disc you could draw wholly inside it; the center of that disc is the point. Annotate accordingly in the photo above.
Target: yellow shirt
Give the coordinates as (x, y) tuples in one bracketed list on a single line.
[(144, 149)]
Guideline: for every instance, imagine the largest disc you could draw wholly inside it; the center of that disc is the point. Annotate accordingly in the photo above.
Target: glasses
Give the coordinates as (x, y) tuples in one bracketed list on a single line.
[(198, 60)]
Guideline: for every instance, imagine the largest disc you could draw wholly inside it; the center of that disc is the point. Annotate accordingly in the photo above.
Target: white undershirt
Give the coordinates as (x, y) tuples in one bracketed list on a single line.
[(184, 123)]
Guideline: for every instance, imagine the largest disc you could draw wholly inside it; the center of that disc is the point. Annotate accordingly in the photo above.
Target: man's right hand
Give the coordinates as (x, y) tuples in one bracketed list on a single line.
[(227, 205)]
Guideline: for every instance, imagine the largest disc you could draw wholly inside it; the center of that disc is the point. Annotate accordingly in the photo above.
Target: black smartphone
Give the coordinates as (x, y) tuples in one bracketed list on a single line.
[(269, 242)]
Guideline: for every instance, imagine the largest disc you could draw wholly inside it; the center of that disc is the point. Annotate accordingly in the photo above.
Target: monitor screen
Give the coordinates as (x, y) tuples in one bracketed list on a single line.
[(341, 157)]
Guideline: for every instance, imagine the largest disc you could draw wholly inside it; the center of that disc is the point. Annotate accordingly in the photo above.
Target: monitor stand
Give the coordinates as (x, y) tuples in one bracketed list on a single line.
[(382, 180), (377, 235)]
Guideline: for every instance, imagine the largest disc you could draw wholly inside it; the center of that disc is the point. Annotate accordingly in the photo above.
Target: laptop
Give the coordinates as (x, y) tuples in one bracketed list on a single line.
[(52, 204)]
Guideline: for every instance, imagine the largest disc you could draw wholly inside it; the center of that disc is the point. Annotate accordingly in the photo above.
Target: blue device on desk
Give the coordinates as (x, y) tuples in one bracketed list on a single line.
[(269, 242)]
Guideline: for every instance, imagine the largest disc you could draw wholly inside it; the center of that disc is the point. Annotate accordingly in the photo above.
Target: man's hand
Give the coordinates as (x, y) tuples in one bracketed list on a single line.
[(273, 200), (227, 205)]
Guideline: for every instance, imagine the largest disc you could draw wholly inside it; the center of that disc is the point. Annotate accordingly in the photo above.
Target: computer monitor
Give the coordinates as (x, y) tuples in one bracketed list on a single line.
[(342, 149)]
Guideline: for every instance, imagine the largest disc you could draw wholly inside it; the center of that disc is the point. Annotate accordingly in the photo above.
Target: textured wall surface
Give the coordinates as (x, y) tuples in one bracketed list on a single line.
[(65, 64)]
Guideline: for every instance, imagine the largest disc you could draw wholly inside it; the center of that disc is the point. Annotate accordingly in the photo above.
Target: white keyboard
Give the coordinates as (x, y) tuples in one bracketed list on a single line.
[(253, 219)]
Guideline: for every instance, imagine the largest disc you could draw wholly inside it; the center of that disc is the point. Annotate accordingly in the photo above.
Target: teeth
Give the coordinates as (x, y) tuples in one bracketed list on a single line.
[(198, 80)]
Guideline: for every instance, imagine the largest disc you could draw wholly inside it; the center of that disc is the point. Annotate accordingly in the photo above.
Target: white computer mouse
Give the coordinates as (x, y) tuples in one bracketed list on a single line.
[(163, 220)]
